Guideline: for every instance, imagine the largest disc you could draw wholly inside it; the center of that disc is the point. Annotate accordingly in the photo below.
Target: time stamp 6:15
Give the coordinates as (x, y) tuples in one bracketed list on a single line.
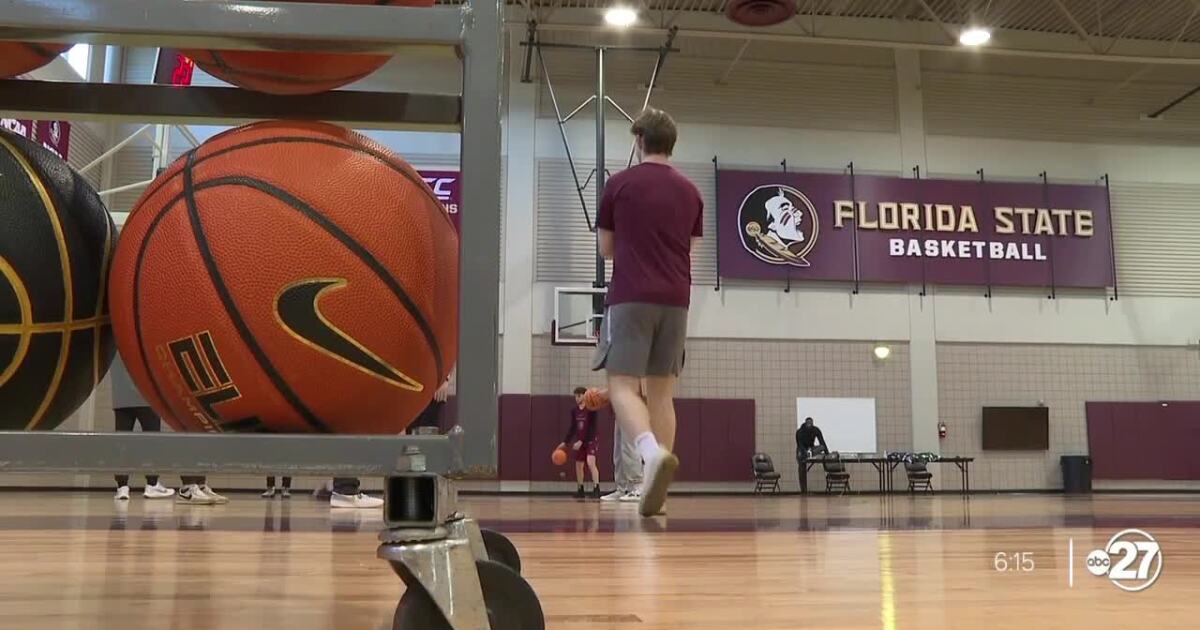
[(1016, 562)]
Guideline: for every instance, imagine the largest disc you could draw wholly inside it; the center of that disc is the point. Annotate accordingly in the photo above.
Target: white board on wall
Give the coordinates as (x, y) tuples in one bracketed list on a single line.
[(848, 424)]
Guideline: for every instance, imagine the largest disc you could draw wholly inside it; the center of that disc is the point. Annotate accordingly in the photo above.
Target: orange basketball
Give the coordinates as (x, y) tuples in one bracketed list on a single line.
[(559, 457), (294, 72), (287, 277), (21, 57), (594, 399)]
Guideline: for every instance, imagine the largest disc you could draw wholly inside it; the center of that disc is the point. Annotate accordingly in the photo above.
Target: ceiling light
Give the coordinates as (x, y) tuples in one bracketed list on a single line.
[(975, 36), (882, 352), (620, 16)]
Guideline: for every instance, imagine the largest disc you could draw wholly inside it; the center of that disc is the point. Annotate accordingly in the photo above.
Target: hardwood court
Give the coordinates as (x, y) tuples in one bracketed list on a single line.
[(77, 560)]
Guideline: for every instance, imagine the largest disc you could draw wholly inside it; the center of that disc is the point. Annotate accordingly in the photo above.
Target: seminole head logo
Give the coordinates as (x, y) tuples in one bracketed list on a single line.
[(779, 225)]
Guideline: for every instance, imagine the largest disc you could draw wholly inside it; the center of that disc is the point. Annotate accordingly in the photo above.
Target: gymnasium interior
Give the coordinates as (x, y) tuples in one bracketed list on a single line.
[(343, 256)]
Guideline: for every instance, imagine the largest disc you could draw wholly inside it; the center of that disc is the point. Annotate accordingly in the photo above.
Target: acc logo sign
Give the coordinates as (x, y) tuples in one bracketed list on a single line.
[(779, 225)]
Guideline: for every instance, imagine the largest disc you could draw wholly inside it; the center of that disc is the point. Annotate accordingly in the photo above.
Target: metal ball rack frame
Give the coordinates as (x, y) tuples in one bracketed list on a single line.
[(458, 577)]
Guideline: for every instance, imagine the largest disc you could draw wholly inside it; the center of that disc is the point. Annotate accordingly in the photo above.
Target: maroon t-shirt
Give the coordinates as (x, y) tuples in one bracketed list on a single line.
[(653, 212)]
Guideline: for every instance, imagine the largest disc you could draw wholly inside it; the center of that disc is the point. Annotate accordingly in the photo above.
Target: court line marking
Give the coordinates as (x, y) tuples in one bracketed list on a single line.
[(1071, 562)]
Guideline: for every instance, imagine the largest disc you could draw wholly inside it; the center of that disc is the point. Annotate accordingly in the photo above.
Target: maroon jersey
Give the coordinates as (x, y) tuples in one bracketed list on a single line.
[(582, 427), (653, 212)]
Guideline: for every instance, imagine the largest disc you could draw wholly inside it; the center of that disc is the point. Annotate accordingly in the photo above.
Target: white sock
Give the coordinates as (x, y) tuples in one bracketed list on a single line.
[(647, 446)]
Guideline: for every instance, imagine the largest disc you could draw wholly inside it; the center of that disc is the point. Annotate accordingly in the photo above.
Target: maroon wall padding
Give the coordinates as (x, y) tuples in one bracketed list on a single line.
[(714, 438), (687, 438), (1191, 437), (1144, 440), (1182, 433), (515, 428), (740, 442), (726, 440), (546, 429), (1100, 440), (604, 452)]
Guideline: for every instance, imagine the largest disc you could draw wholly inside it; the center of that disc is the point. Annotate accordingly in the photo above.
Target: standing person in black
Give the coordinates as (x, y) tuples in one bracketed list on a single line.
[(432, 415), (807, 437), (346, 492)]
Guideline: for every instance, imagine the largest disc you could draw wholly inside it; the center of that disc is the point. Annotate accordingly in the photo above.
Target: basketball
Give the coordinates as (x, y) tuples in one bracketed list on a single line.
[(294, 72), (594, 399), (56, 241), (287, 277), (21, 57), (559, 457)]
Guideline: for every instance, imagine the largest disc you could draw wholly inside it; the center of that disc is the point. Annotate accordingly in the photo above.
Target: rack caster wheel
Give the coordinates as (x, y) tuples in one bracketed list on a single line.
[(510, 601), (500, 549)]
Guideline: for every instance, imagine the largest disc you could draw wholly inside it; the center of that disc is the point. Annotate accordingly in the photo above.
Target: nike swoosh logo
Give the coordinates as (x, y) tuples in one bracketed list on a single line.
[(297, 307)]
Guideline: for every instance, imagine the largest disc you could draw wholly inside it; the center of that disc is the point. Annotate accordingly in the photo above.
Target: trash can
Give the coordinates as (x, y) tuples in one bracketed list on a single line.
[(1077, 474)]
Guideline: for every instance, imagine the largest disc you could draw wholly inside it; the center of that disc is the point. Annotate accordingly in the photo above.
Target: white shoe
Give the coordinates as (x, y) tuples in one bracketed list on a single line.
[(633, 496), (122, 493), (615, 495), (194, 495), (158, 491), (360, 500), (218, 499), (660, 472), (270, 493)]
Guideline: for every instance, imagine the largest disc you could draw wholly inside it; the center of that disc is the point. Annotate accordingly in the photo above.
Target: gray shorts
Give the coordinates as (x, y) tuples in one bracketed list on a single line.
[(640, 339)]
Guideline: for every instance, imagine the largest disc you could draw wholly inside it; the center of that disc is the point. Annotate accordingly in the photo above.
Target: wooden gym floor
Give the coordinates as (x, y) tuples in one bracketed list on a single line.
[(79, 561)]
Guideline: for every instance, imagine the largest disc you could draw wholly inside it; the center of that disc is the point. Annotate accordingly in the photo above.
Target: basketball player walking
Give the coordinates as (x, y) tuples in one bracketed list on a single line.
[(648, 223)]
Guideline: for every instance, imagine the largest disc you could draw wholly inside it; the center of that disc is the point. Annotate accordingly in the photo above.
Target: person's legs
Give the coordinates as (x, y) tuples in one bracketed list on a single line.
[(346, 495), (802, 465), (595, 470), (631, 411), (152, 423), (661, 403), (124, 419), (630, 348), (631, 463), (578, 478), (346, 485), (620, 475), (192, 491)]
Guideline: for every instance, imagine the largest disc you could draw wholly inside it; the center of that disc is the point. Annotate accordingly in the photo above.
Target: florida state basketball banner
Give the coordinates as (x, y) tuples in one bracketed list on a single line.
[(817, 226), (55, 135), (19, 126), (447, 185)]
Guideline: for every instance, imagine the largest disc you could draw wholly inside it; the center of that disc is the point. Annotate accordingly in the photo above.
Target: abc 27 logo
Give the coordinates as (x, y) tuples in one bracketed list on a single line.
[(1132, 560)]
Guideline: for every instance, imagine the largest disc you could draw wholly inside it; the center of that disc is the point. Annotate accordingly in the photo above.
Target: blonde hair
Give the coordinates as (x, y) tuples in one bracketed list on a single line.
[(657, 130)]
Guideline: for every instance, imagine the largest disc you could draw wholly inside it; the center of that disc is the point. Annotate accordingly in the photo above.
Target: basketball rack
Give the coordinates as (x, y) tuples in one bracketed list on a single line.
[(457, 576)]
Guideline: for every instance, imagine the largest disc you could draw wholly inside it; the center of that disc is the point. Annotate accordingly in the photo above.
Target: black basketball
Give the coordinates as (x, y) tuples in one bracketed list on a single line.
[(56, 242)]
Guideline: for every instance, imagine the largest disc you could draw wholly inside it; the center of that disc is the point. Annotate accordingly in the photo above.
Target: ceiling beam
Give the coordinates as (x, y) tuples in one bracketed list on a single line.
[(888, 44), (934, 16), (1079, 30), (729, 70), (1129, 24), (904, 10)]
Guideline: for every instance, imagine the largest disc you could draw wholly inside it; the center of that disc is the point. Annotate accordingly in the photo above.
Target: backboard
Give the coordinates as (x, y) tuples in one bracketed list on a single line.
[(578, 315)]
